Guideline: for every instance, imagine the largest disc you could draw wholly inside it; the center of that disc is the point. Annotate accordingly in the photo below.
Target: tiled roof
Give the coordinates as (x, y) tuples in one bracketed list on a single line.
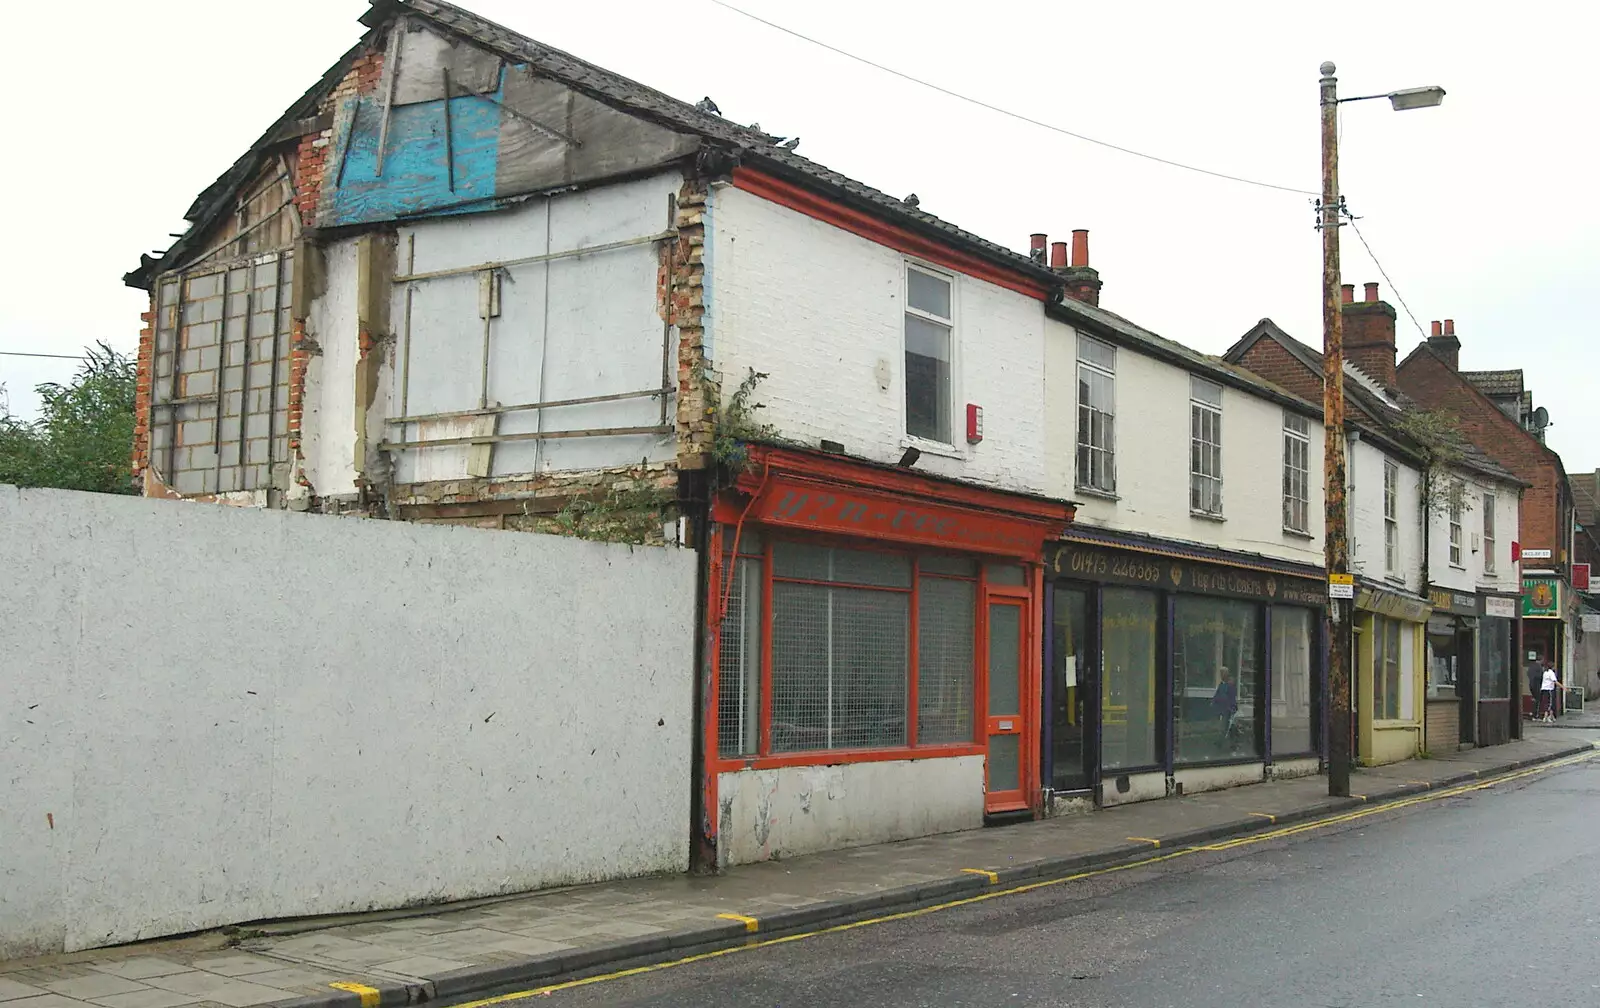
[(1496, 383)]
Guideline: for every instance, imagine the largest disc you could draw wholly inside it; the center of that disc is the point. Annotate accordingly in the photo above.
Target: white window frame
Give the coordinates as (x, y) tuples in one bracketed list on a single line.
[(1488, 534), (1457, 510), (1205, 447), (1084, 475), (946, 447), (1391, 517), (1296, 438)]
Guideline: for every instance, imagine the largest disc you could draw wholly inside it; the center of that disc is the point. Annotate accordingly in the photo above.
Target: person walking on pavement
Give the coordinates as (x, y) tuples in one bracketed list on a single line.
[(1548, 684), (1535, 680)]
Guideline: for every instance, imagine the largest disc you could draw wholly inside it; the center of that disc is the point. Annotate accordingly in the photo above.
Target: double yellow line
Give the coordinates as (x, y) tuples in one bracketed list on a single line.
[(1245, 841)]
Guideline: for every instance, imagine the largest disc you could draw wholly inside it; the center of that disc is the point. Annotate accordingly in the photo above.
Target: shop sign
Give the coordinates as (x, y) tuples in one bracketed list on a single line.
[(1458, 603), (1341, 586), (1541, 598), (1393, 605), (1128, 567), (881, 516), (1500, 608)]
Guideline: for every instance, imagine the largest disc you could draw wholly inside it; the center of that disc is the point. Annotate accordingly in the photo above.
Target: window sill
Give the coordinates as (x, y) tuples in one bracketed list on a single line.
[(939, 448), (1396, 580), (1396, 725), (1209, 516), (1298, 534), (1088, 491)]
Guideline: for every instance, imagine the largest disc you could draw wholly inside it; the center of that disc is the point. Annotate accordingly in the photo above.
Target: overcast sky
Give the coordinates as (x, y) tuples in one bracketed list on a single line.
[(1483, 210)]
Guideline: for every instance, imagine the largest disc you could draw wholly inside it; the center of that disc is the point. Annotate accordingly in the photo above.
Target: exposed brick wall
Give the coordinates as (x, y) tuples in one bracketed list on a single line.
[(299, 360), (1427, 379), (145, 374), (312, 154), (611, 503), (1271, 361), (697, 390), (1442, 731)]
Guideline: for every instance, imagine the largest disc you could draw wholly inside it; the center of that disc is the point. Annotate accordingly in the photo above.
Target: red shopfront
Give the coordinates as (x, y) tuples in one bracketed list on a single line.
[(875, 654)]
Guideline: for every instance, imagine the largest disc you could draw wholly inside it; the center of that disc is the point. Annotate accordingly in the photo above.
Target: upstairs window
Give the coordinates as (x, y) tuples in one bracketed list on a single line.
[(1457, 505), (1097, 408), (929, 330), (1391, 517), (1205, 447), (1488, 533), (1296, 473)]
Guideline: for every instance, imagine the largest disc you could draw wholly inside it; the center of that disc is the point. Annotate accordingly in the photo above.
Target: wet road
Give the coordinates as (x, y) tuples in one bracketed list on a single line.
[(1485, 899)]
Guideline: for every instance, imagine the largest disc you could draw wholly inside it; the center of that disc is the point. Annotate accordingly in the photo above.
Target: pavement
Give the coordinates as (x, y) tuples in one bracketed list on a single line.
[(449, 952), (1482, 896)]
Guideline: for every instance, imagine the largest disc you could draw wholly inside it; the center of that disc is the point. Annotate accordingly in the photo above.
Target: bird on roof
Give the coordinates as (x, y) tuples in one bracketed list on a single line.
[(707, 105), (912, 201), (791, 143)]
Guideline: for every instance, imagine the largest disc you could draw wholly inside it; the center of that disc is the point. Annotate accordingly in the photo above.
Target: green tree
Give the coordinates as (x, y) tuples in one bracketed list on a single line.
[(83, 439)]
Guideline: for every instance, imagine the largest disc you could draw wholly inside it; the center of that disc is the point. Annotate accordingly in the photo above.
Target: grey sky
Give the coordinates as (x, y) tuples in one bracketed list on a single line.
[(1481, 210)]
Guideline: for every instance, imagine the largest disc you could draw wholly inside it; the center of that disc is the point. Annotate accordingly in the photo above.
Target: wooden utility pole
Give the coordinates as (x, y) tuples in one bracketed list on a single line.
[(1336, 548)]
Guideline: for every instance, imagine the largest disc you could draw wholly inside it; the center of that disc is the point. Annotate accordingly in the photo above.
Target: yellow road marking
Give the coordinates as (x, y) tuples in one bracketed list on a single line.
[(750, 923), (1267, 816), (993, 877), (1254, 838), (1145, 839), (369, 995), (1361, 796)]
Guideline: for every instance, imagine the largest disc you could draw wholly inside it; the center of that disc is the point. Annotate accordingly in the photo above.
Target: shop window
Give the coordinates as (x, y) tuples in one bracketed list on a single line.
[(1457, 505), (1129, 622), (1444, 660), (1488, 533), (1215, 671), (1205, 447), (1097, 407), (929, 328), (1496, 659), (840, 649), (1296, 473), (1391, 518), (1292, 681), (1389, 668)]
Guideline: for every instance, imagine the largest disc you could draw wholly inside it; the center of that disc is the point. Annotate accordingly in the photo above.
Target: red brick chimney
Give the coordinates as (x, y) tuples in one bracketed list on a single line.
[(1444, 344), (1082, 280), (1369, 335)]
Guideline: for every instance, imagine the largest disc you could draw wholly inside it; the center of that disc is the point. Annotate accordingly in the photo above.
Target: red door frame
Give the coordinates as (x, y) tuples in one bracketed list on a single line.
[(1026, 601)]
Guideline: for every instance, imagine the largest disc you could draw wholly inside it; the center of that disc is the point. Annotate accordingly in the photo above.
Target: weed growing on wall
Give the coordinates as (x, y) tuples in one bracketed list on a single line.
[(736, 425), (621, 516), (1437, 434)]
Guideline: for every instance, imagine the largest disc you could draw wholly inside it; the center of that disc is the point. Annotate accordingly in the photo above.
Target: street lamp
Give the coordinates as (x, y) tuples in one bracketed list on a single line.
[(1336, 544)]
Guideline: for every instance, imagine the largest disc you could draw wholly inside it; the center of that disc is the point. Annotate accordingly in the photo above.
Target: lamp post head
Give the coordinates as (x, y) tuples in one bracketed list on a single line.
[(1328, 69), (1415, 98)]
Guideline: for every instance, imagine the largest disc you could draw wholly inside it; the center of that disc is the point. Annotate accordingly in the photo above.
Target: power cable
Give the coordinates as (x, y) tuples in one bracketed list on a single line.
[(1385, 274), (1007, 112), (53, 356)]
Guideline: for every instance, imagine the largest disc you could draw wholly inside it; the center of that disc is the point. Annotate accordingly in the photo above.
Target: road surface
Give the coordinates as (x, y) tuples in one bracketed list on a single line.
[(1485, 899)]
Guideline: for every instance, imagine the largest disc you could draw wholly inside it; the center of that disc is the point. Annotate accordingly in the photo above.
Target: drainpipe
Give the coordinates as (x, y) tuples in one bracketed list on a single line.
[(695, 502)]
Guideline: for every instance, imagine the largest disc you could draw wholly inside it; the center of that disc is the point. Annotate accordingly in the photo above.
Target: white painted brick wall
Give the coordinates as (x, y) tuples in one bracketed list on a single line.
[(1365, 472), (1152, 456), (818, 309), (1470, 576)]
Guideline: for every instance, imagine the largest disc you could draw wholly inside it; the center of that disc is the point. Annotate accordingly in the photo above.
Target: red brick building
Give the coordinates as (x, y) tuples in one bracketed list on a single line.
[(1496, 414)]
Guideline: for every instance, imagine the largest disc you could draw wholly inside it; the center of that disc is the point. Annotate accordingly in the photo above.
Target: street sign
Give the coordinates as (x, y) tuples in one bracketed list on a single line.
[(1341, 586), (1536, 554)]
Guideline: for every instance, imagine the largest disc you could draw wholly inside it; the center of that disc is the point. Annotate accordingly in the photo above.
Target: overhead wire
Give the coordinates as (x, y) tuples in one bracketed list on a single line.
[(53, 356), (1004, 111), (1385, 274)]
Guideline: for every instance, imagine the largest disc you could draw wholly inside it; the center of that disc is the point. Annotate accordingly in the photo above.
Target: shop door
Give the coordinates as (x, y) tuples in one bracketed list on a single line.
[(1467, 684), (1005, 789), (1071, 687)]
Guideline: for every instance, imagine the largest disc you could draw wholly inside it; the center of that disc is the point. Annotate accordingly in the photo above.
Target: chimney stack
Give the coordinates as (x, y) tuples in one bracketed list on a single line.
[(1369, 334), (1036, 244), (1444, 344), (1082, 280), (1347, 293)]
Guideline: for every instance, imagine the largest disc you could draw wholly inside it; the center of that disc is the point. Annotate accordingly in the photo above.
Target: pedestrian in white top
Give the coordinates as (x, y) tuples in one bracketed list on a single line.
[(1547, 692)]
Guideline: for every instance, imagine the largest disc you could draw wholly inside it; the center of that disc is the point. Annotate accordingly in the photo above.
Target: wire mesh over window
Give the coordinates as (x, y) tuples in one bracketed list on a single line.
[(739, 661), (838, 667), (945, 619)]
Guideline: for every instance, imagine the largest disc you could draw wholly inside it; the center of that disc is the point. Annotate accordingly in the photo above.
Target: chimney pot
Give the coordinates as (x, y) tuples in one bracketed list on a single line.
[(1372, 292), (1080, 247), (1435, 328), (1058, 255), (1347, 293), (1036, 246), (1449, 327)]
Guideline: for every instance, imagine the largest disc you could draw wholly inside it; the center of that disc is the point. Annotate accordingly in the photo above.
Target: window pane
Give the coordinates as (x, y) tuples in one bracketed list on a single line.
[(1004, 574), (1069, 654), (1204, 391), (1215, 668), (804, 561), (1005, 647), (1097, 353), (928, 293), (937, 563), (1291, 681), (1128, 645), (739, 663), (838, 667), (946, 615), (927, 380), (1495, 658)]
